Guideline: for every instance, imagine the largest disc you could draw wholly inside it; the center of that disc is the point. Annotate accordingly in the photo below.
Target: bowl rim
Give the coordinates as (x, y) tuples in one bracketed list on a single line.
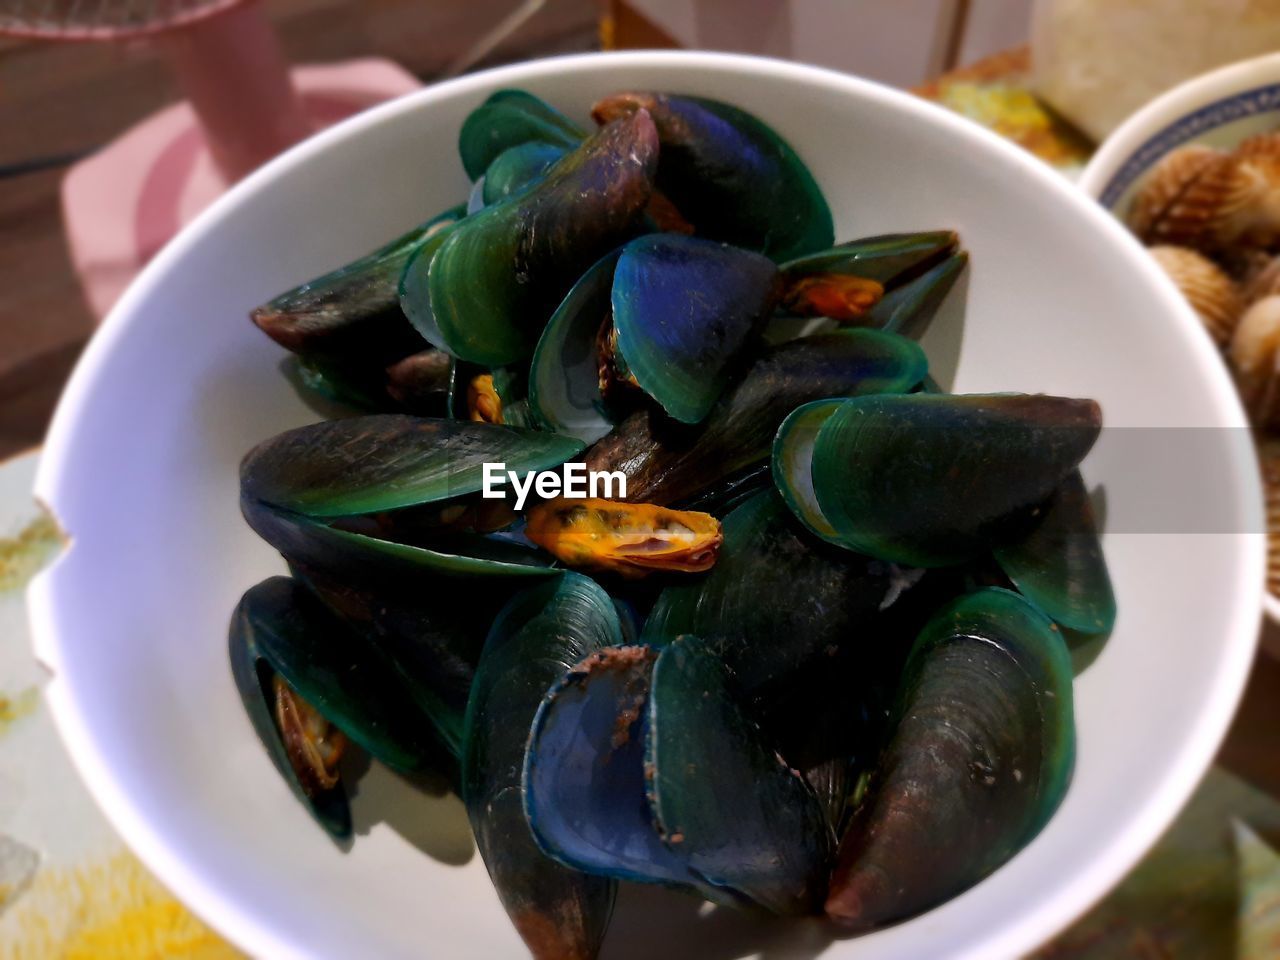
[(1150, 126), (1146, 128), (223, 910)]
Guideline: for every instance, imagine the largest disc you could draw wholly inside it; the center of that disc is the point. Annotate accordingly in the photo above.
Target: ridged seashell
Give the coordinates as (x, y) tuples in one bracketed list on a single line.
[(1254, 352), (1165, 183), (1198, 199), (1269, 458), (1211, 293), (1256, 223), (1260, 145)]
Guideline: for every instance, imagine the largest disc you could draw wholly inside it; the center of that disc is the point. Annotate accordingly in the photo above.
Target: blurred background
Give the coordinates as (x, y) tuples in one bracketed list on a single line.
[(77, 220), (101, 162)]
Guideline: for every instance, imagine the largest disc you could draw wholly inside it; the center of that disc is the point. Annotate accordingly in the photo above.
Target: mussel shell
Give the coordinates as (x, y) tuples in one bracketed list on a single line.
[(536, 638), (731, 175), (510, 118), (890, 260), (926, 479), (584, 778), (665, 464), (368, 560), (517, 167), (979, 760), (352, 387), (413, 290), (731, 492), (824, 601), (911, 307), (684, 310), (352, 315), (564, 377), (720, 792), (644, 767), (420, 383), (497, 278), (362, 465), (1058, 563), (280, 625), (433, 629), (792, 464)]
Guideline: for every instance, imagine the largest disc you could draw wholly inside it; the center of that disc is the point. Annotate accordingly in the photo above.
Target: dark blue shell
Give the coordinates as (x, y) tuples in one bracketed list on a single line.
[(685, 310)]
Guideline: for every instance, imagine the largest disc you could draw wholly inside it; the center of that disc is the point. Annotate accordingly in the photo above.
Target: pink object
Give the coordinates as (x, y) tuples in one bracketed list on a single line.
[(236, 78), (123, 203)]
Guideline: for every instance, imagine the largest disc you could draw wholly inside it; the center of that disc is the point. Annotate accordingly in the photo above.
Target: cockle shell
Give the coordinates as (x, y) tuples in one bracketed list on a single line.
[(1211, 293), (1269, 457), (1264, 145), (1197, 197), (1256, 223), (1165, 184), (1254, 352)]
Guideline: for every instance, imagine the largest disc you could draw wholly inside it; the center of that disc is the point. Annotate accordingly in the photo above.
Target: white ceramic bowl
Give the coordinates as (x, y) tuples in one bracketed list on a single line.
[(1219, 109), (141, 468)]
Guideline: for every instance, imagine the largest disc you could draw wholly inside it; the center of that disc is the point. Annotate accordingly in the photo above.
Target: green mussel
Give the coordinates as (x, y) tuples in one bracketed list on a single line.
[(494, 282), (537, 637), (646, 766), (665, 462), (308, 685), (730, 174), (979, 759), (927, 479)]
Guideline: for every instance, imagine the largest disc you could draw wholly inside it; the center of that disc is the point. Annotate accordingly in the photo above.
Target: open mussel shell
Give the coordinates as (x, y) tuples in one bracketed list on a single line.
[(927, 479), (979, 760), (280, 630), (517, 167), (352, 387), (413, 291), (1058, 564), (792, 464), (643, 766), (352, 316), (730, 174), (744, 819), (584, 779), (511, 118), (433, 628), (911, 307), (495, 281), (564, 377), (845, 281), (665, 463), (815, 668), (684, 310), (384, 462), (537, 637)]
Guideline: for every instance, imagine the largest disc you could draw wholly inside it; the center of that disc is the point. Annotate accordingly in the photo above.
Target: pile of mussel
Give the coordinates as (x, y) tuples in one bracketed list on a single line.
[(815, 660)]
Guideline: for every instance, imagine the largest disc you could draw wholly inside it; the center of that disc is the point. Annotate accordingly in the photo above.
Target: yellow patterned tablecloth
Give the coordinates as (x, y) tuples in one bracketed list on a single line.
[(69, 889)]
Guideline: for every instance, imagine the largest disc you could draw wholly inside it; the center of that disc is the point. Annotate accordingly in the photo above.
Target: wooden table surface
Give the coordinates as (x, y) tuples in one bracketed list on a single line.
[(58, 100)]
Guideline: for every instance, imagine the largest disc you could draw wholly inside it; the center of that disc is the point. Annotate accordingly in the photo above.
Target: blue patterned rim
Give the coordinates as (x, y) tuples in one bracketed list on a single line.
[(1238, 106)]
